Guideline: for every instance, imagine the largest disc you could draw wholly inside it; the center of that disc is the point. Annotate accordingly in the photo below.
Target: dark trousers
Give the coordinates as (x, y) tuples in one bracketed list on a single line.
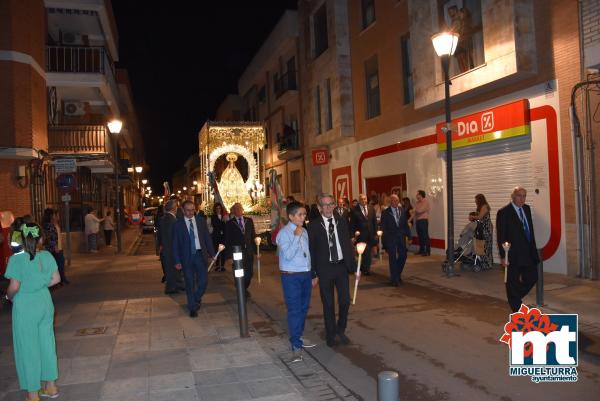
[(59, 257), (519, 281), (423, 233), (296, 292), (397, 258), (107, 236), (173, 278), (367, 259), (196, 279), (330, 276)]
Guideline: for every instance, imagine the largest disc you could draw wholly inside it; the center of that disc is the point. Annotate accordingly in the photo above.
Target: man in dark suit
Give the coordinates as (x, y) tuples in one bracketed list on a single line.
[(364, 220), (192, 246), (173, 278), (342, 211), (395, 230), (240, 231), (515, 226), (332, 258)]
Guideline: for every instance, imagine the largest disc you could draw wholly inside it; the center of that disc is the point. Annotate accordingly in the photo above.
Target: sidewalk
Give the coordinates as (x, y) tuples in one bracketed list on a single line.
[(147, 348)]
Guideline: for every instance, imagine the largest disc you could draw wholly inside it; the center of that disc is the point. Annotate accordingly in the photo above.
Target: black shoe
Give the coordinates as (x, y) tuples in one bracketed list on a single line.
[(367, 273), (248, 295), (331, 342), (426, 254), (169, 292), (394, 284), (194, 313), (163, 279), (400, 281), (344, 340), (65, 281)]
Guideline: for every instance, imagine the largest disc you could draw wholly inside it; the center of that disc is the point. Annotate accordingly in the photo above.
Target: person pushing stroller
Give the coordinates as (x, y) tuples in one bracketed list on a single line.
[(465, 251)]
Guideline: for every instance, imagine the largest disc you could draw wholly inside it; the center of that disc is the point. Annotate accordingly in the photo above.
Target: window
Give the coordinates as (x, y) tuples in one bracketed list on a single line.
[(262, 94), (276, 86), (295, 181), (372, 87), (328, 115), (368, 12), (407, 78), (463, 17), (318, 110), (320, 31)]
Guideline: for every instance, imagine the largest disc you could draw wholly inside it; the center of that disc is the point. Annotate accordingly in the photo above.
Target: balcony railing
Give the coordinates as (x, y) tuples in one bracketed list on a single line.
[(78, 59), (289, 144), (79, 139), (285, 83)]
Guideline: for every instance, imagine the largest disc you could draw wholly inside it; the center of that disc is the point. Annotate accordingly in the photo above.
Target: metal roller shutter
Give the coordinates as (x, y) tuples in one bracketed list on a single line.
[(493, 170)]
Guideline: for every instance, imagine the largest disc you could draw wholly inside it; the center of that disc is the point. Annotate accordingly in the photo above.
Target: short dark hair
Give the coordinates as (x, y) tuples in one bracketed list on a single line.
[(188, 202), (293, 207), (422, 193)]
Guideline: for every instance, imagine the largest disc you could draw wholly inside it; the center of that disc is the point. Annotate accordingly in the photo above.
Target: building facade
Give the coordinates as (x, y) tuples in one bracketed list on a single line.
[(58, 89), (269, 89), (512, 78)]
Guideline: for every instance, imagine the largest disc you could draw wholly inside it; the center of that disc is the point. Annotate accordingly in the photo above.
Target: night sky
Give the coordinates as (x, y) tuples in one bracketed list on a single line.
[(183, 58)]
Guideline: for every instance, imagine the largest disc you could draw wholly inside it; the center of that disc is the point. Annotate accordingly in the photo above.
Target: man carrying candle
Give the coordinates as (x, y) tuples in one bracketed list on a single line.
[(395, 230), (296, 277), (332, 259), (514, 226)]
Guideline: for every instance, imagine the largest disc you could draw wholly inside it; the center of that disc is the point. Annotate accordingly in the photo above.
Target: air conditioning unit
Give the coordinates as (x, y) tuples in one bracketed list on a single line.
[(72, 39), (74, 109)]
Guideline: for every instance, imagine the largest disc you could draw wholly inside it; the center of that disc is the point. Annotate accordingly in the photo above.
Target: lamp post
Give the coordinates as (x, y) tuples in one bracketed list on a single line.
[(115, 128), (444, 44)]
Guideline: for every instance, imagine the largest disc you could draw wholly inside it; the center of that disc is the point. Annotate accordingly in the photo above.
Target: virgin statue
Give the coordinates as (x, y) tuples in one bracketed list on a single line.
[(231, 186)]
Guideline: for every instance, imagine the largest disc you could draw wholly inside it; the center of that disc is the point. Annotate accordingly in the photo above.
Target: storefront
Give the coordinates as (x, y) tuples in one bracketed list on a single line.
[(513, 140)]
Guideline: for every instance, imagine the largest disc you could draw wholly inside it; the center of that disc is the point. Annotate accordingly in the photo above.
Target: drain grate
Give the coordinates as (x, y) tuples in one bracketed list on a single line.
[(91, 331)]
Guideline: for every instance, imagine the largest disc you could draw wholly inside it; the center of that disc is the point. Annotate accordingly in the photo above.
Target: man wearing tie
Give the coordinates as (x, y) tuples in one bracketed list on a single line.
[(332, 258), (364, 220), (341, 210), (515, 226), (191, 247), (395, 230), (240, 231)]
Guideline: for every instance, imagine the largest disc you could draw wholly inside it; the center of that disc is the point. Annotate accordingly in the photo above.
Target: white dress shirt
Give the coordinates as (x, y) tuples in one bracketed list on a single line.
[(196, 236), (337, 236)]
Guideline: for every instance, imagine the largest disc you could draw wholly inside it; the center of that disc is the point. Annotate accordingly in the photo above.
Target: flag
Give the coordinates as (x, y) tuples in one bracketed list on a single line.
[(276, 204), (212, 181), (167, 191)]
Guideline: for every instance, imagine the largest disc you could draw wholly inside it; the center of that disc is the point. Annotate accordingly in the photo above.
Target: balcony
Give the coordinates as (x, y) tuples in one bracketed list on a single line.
[(79, 140), (288, 144), (286, 82), (81, 71)]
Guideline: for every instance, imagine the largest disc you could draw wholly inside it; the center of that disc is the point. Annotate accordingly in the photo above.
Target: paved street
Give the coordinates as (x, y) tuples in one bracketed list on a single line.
[(442, 341), (141, 345)]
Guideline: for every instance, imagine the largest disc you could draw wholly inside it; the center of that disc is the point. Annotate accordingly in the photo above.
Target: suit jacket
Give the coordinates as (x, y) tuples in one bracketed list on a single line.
[(345, 214), (319, 245), (510, 229), (366, 225), (166, 237), (182, 252), (394, 233), (235, 236)]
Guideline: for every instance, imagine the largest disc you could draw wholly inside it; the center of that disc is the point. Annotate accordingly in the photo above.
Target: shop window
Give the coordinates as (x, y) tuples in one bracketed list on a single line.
[(318, 110), (372, 87), (320, 31), (464, 18), (295, 181), (328, 113), (407, 77), (368, 12)]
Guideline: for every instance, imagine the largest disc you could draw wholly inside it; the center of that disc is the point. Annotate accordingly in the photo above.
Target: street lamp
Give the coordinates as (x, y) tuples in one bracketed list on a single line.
[(184, 189), (115, 128), (444, 44), (139, 169), (144, 181), (195, 183)]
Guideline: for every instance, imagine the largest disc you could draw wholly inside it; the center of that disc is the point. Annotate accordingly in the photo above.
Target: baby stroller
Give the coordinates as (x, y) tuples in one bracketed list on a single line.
[(464, 253)]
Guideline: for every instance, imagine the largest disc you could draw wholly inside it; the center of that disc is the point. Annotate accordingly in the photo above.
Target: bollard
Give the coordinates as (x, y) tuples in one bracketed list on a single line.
[(238, 273), (388, 386), (539, 287)]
